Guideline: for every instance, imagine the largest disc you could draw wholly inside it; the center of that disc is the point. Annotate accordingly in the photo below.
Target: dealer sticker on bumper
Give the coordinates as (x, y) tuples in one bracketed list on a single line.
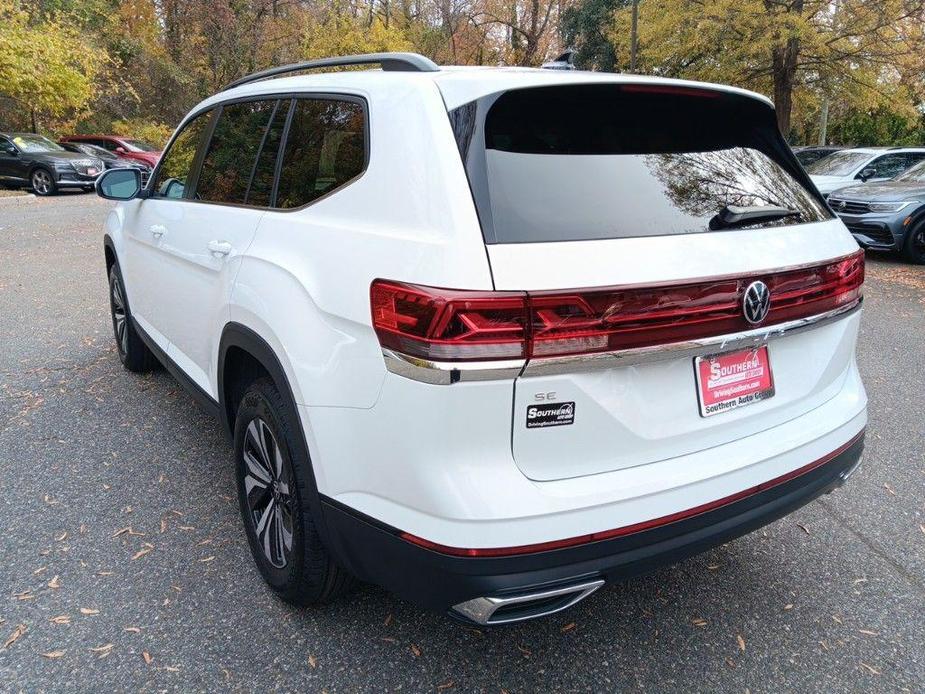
[(728, 381)]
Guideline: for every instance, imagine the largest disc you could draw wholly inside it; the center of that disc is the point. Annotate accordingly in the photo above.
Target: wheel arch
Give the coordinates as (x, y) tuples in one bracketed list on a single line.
[(241, 348), (109, 250)]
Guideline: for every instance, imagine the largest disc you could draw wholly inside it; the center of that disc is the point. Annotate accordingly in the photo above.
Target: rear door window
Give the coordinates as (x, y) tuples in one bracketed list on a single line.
[(325, 148), (229, 160), (583, 162)]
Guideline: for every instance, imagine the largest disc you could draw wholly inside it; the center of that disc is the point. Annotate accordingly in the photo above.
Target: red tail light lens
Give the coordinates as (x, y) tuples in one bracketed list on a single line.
[(448, 325)]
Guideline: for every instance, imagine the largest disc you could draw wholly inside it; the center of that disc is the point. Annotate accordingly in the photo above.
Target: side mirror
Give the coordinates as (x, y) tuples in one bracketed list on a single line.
[(869, 172), (119, 184)]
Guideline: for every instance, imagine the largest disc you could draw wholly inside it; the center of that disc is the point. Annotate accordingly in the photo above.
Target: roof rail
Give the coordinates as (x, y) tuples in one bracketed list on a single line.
[(390, 62)]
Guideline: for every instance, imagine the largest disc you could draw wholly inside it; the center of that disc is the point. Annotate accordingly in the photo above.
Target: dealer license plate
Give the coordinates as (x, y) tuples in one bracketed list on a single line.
[(731, 380)]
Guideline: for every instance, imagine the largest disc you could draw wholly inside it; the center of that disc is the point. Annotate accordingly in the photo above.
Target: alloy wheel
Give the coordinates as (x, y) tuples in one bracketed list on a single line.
[(41, 182), (267, 486), (118, 315)]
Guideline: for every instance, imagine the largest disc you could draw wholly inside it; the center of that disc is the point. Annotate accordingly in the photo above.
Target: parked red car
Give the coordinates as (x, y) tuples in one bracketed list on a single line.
[(124, 147)]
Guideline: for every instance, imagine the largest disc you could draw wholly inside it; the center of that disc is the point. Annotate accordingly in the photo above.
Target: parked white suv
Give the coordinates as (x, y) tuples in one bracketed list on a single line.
[(492, 337), (864, 164)]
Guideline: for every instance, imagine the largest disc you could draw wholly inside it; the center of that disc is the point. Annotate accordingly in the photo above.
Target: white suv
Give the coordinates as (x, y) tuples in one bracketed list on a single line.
[(492, 337)]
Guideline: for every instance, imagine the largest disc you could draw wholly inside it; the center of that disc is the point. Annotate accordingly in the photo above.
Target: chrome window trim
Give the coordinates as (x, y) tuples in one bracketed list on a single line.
[(446, 373)]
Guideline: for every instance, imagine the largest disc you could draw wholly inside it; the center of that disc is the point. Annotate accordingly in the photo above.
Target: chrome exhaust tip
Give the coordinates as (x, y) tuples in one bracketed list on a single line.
[(520, 607)]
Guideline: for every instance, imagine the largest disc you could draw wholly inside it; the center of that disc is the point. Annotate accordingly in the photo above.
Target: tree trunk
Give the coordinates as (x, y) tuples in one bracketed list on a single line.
[(785, 70)]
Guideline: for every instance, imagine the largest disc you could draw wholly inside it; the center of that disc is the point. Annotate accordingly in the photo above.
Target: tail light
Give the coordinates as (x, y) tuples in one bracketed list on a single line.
[(450, 325)]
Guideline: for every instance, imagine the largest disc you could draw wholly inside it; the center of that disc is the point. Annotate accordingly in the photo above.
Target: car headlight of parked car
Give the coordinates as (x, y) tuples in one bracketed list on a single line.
[(891, 206)]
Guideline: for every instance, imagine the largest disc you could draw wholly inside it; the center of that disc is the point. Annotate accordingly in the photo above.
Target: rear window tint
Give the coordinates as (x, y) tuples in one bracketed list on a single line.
[(587, 162), (325, 148), (229, 160)]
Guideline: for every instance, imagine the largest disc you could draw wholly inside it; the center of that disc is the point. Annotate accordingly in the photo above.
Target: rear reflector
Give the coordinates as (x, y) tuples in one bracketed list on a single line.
[(450, 325), (635, 527)]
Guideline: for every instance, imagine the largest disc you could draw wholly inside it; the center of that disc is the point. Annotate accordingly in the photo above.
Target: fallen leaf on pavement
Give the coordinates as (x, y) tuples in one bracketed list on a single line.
[(803, 528), (126, 531), (134, 630), (206, 559), (39, 570), (446, 685), (147, 657), (61, 619), (388, 620), (17, 632), (312, 662), (24, 595), (788, 606), (145, 549), (741, 642), (568, 627), (102, 650), (870, 668), (62, 537), (868, 632), (54, 583), (88, 611), (53, 654), (698, 622), (416, 651)]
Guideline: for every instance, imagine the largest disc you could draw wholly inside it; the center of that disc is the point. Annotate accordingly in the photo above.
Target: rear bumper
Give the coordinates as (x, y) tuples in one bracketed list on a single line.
[(433, 579)]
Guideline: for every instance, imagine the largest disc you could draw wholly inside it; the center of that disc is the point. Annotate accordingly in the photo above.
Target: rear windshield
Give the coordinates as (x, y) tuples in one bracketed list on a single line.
[(584, 162)]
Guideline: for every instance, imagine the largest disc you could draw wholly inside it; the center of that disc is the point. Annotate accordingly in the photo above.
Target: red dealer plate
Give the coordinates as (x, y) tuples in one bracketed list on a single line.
[(735, 379)]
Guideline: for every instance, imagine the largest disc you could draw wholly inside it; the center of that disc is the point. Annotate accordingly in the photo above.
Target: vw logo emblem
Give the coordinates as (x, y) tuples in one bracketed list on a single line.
[(756, 302)]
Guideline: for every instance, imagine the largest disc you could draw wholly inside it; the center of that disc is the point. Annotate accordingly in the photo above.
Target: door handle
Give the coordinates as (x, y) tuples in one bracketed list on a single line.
[(219, 247), (157, 230)]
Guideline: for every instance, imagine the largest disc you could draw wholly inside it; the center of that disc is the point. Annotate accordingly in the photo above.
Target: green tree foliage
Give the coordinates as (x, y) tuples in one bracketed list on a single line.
[(586, 27), (46, 65), (860, 53)]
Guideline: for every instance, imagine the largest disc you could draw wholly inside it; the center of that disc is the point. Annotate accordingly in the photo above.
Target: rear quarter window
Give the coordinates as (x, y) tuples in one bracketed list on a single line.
[(325, 148), (584, 162)]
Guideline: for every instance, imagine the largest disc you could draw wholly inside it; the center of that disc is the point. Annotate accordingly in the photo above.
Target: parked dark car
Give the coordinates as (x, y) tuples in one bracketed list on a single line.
[(810, 155), (110, 160), (886, 216), (126, 147), (27, 159)]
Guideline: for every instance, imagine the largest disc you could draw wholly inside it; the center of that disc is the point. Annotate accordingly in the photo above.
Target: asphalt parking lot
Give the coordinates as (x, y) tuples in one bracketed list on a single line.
[(124, 565)]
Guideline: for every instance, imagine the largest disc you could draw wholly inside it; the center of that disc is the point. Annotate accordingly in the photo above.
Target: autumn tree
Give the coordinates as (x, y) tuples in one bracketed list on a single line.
[(46, 66), (860, 49)]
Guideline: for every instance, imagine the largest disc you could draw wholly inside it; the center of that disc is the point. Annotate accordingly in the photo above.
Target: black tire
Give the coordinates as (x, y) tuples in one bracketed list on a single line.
[(43, 181), (276, 499), (133, 352), (914, 247)]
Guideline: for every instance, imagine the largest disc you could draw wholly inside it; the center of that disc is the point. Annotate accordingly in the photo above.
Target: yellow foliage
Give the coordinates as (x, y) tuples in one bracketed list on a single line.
[(341, 34), (47, 67), (147, 131)]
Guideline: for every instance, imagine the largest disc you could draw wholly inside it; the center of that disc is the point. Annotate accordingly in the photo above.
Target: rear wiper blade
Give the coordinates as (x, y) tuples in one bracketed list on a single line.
[(732, 216)]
